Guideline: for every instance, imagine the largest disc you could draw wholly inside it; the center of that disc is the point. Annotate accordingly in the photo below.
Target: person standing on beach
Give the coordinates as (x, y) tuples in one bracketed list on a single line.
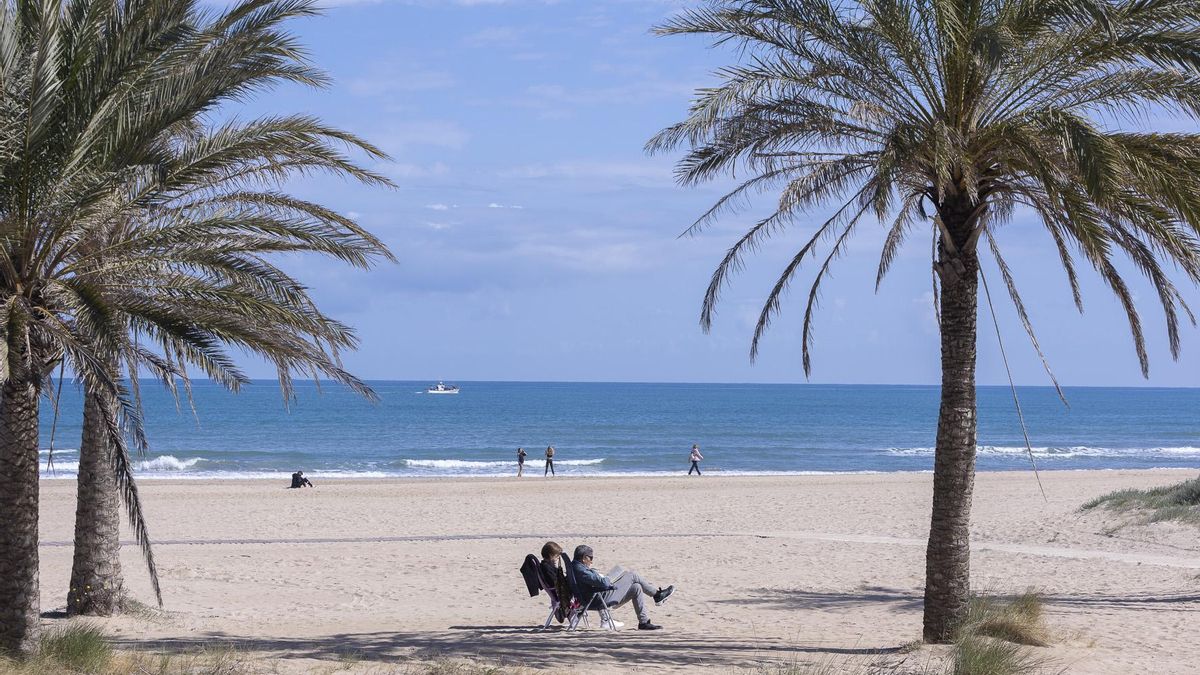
[(549, 461), (520, 461), (696, 457)]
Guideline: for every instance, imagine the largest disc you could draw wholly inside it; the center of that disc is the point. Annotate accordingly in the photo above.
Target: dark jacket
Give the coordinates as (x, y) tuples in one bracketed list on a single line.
[(589, 580), (530, 574), (557, 578)]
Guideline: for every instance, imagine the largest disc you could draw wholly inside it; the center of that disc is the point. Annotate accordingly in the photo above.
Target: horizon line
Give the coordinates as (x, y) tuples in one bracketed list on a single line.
[(1004, 385)]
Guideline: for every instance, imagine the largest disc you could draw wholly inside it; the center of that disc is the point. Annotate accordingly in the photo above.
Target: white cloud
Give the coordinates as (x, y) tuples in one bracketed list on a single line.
[(437, 207), (496, 36), (642, 173), (388, 78), (592, 258), (437, 133), (402, 170)]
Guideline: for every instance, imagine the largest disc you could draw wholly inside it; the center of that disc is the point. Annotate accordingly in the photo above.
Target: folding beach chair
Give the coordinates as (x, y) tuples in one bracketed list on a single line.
[(556, 603), (586, 604)]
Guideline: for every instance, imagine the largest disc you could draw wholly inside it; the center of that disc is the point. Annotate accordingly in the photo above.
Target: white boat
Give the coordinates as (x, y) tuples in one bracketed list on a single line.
[(441, 388)]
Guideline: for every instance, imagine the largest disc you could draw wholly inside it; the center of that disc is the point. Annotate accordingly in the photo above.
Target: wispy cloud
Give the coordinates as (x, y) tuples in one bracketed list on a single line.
[(399, 77), (612, 173), (436, 133), (408, 170), (497, 36)]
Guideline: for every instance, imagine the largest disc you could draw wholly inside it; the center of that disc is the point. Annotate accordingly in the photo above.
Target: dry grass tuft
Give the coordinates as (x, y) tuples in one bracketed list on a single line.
[(79, 647), (982, 655), (996, 637), (1017, 620)]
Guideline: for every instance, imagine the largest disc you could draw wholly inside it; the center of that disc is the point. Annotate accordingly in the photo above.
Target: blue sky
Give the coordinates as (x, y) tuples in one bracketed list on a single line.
[(536, 240)]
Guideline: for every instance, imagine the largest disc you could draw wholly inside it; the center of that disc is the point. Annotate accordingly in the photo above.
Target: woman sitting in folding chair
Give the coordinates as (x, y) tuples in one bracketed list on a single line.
[(620, 587), (556, 578)]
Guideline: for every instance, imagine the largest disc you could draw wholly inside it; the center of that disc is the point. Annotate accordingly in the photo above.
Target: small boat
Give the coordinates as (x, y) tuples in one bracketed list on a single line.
[(441, 388)]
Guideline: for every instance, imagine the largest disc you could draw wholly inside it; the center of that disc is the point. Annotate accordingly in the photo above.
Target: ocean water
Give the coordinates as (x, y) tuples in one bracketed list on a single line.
[(610, 428)]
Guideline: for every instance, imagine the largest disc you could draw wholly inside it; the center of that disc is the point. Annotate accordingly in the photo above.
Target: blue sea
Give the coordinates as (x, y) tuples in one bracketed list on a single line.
[(617, 428)]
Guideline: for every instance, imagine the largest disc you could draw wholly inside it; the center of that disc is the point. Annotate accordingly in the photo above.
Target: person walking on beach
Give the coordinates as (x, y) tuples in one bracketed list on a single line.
[(696, 457), (520, 461), (549, 461)]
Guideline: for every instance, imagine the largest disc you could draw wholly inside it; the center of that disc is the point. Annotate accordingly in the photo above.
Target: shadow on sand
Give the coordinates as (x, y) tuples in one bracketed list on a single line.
[(799, 599), (520, 645), (529, 646)]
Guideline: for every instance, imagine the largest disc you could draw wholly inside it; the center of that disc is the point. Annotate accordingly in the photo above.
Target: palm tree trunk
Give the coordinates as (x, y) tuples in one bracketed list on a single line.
[(948, 556), (20, 602), (97, 587)]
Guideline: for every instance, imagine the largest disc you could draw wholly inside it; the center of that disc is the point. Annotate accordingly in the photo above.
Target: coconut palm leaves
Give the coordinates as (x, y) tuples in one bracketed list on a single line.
[(963, 112), (139, 230)]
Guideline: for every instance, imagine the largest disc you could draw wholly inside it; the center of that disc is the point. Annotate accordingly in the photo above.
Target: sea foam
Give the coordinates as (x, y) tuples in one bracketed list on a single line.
[(167, 463), (1061, 452)]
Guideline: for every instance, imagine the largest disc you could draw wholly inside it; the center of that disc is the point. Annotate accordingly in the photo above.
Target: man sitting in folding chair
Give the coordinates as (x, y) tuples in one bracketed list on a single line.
[(620, 587)]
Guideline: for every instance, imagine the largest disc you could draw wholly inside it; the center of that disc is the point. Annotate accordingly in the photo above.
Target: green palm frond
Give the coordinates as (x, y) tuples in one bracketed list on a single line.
[(982, 110)]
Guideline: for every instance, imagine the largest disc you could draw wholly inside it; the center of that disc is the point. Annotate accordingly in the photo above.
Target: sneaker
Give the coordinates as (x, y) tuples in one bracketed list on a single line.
[(660, 598), (612, 624), (648, 626)]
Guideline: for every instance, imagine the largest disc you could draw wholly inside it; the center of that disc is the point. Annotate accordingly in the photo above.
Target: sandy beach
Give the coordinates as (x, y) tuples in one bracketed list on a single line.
[(769, 569)]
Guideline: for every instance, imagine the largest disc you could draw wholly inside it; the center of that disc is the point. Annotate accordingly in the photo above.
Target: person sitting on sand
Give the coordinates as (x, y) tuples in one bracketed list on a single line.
[(620, 587), (299, 481)]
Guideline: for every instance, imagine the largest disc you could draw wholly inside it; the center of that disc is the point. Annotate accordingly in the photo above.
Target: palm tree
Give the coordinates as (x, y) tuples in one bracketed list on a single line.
[(130, 218), (961, 112), (295, 330)]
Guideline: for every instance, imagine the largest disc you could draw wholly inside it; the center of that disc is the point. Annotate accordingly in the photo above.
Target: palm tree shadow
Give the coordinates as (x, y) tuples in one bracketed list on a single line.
[(895, 599), (799, 599), (516, 645)]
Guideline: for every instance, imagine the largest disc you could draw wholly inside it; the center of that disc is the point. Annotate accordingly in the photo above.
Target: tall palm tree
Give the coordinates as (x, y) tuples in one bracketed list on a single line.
[(959, 112), (106, 119)]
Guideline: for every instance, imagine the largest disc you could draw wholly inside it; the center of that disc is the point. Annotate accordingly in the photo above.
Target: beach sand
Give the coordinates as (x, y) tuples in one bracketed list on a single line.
[(779, 569)]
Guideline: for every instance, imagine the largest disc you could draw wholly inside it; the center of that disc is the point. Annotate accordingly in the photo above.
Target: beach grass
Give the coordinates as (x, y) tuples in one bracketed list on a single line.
[(982, 655), (996, 637), (1179, 503), (81, 647), (1015, 620), (78, 648)]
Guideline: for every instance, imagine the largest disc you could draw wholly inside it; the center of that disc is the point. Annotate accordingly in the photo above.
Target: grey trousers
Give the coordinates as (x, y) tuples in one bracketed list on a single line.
[(630, 586)]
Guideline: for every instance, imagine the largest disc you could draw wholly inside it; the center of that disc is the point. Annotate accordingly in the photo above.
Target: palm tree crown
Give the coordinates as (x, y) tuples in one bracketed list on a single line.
[(973, 108)]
